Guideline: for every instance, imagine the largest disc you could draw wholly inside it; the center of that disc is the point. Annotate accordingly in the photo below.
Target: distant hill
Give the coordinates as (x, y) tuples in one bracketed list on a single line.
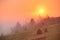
[(49, 21), (53, 31)]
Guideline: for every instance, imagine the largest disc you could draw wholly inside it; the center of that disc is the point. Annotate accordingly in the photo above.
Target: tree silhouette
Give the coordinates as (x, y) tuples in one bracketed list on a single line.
[(32, 21), (45, 30), (39, 31), (47, 17), (18, 24), (17, 27)]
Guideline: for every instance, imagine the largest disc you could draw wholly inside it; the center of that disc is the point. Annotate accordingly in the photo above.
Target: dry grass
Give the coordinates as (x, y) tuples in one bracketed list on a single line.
[(52, 34)]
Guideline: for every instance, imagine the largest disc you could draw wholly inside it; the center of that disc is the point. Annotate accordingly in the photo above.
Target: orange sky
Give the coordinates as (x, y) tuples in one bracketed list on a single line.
[(24, 9)]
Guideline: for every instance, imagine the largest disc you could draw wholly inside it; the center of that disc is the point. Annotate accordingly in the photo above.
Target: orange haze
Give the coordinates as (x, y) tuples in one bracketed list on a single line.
[(23, 10)]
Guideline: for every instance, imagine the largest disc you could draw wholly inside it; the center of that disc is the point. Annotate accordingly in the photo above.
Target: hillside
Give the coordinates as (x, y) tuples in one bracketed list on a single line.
[(53, 32)]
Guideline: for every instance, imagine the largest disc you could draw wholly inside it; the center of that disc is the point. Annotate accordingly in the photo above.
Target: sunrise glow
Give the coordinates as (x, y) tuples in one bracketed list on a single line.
[(21, 12), (41, 11)]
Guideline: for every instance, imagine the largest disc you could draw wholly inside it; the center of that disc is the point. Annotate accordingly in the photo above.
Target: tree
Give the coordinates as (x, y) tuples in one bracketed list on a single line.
[(18, 24), (32, 21), (2, 37), (17, 27), (46, 30), (39, 31), (47, 17)]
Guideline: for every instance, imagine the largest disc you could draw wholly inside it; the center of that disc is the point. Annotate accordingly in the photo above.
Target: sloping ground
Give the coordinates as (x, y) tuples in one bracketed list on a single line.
[(24, 36), (52, 34), (18, 36)]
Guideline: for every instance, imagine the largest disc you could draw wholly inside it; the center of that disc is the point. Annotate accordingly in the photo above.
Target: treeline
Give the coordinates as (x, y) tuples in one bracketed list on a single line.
[(32, 25)]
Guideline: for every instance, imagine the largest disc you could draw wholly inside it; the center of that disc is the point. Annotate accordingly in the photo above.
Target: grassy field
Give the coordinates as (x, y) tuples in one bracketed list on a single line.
[(52, 34)]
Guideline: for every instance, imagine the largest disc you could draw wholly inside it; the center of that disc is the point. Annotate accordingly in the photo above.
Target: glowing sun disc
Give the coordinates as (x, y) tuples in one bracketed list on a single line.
[(41, 11)]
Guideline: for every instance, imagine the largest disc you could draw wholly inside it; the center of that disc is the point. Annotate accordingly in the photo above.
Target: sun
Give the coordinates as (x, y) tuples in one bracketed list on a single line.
[(41, 11)]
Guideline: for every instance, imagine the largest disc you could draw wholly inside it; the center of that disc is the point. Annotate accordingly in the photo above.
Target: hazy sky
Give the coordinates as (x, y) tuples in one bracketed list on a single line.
[(22, 10)]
